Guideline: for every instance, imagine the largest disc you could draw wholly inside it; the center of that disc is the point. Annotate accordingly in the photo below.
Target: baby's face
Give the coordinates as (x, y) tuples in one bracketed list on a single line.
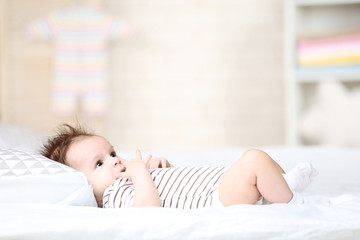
[(96, 158)]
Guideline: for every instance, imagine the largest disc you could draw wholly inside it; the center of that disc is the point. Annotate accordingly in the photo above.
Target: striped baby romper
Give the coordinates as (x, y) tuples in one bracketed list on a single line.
[(183, 188), (80, 35)]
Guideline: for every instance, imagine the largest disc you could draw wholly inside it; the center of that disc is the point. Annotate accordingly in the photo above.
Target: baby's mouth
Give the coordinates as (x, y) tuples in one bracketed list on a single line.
[(122, 168)]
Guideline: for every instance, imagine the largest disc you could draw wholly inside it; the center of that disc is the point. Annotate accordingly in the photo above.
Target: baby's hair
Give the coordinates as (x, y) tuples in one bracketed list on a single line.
[(57, 146)]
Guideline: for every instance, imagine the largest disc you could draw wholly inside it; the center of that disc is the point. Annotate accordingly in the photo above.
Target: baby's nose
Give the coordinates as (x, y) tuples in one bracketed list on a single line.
[(117, 161), (113, 160)]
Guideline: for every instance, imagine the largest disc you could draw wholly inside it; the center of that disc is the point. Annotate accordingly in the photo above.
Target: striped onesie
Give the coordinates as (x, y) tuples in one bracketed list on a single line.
[(80, 35), (184, 188)]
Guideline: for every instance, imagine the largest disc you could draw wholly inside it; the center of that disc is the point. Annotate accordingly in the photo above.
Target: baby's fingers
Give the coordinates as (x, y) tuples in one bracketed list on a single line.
[(154, 163), (163, 162), (138, 154), (147, 160)]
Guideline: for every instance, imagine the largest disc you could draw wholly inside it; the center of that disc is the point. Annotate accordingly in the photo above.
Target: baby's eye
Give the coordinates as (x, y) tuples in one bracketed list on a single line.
[(99, 164), (113, 154)]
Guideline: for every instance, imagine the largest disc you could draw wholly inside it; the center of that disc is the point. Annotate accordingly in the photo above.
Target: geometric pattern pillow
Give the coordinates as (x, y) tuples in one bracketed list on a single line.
[(16, 163), (31, 178)]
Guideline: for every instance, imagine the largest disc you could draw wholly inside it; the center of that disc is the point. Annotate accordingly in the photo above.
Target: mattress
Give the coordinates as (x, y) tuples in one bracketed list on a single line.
[(338, 179)]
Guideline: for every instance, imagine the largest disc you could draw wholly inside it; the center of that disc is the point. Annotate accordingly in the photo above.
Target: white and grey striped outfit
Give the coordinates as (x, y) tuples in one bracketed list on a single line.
[(184, 188)]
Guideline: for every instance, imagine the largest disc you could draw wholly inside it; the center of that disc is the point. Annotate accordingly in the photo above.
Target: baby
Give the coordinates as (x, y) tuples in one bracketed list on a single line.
[(151, 181)]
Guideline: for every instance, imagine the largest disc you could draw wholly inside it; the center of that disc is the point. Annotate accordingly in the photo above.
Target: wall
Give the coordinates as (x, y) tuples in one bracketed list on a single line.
[(194, 75)]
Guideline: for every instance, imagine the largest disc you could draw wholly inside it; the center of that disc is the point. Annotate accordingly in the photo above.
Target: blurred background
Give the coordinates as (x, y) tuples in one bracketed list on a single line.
[(182, 75)]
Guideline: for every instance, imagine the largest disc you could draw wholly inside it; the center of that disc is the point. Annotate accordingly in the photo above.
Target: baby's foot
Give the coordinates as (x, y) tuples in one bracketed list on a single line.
[(301, 176)]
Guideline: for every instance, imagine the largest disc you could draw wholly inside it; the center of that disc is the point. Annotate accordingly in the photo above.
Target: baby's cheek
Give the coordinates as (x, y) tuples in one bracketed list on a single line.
[(100, 181)]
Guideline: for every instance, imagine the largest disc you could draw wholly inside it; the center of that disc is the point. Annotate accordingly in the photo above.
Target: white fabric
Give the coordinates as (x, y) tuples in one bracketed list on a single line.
[(276, 221), (30, 178), (84, 196), (339, 174)]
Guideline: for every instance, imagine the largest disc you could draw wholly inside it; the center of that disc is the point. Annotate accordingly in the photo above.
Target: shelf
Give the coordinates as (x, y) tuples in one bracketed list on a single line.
[(314, 18), (305, 3), (351, 74)]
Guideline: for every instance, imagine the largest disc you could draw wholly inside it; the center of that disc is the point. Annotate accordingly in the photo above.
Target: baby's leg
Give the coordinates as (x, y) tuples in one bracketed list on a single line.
[(253, 175)]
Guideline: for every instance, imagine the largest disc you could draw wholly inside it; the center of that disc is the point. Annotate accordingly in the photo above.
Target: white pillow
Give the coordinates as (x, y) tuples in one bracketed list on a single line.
[(18, 137), (29, 178)]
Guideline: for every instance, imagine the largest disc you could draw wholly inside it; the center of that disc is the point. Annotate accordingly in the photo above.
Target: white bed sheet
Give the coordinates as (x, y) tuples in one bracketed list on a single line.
[(278, 221), (339, 174)]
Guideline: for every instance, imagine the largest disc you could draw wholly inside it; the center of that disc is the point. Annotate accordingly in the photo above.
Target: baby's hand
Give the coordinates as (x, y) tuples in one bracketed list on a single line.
[(158, 162), (135, 166)]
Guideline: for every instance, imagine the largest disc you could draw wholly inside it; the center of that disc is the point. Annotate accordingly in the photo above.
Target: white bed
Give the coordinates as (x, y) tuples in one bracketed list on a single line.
[(339, 179)]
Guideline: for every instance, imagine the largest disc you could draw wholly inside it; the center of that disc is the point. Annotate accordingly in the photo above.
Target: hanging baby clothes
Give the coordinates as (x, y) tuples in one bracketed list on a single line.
[(80, 67)]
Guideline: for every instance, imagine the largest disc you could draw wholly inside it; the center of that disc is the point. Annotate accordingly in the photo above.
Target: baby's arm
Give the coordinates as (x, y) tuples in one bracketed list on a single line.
[(145, 192)]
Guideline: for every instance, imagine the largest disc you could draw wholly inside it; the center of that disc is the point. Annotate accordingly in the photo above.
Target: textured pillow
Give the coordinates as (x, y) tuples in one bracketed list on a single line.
[(31, 178)]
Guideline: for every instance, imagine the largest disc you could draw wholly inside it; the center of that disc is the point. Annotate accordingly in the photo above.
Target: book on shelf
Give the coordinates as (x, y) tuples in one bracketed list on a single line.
[(339, 52)]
